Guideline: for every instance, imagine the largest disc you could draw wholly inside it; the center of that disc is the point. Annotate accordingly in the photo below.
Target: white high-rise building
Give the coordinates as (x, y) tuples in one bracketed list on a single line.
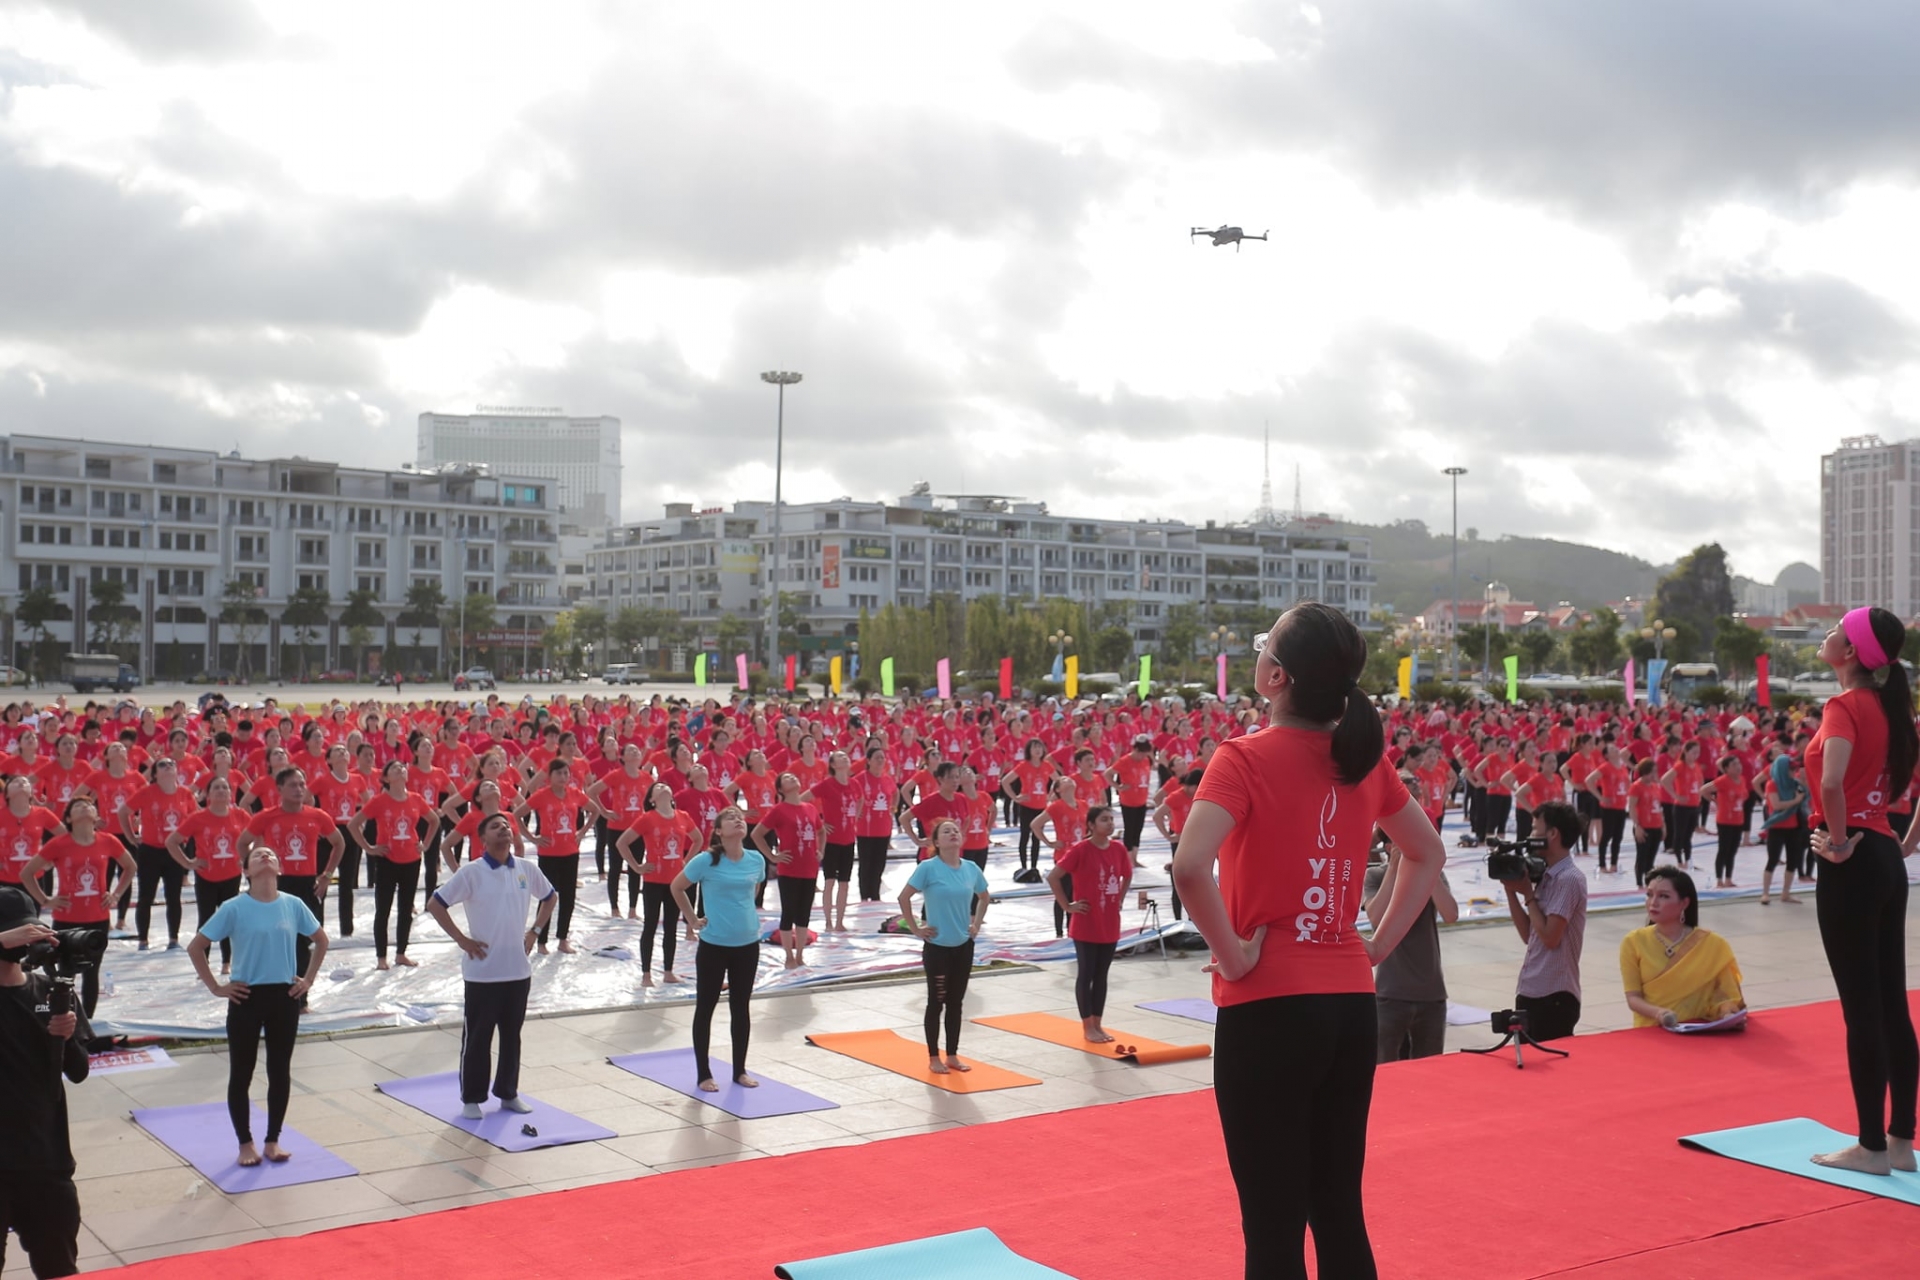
[(1870, 524), (580, 455)]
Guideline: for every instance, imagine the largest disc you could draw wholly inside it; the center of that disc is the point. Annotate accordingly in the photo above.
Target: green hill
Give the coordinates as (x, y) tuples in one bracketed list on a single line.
[(1415, 566)]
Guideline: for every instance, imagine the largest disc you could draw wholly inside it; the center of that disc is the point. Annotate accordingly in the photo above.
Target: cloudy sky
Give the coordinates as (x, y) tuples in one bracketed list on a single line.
[(1635, 265)]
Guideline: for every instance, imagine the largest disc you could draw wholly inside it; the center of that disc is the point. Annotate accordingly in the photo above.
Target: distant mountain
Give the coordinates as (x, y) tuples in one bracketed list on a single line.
[(1415, 567)]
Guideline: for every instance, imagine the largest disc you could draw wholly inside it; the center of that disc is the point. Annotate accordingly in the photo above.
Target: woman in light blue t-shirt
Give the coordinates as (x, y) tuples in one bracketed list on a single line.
[(729, 936), (956, 894)]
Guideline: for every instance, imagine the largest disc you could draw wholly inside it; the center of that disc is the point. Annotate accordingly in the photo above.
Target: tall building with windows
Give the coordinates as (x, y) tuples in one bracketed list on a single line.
[(580, 456), (1870, 524)]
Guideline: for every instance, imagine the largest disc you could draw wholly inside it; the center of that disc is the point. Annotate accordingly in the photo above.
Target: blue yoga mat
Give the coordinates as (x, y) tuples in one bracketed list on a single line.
[(673, 1069), (963, 1255), (1198, 1010), (1790, 1145), (439, 1096), (202, 1135)]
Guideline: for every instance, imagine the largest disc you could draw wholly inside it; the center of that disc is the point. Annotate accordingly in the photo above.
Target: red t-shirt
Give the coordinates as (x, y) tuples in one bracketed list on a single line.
[(469, 827), (1134, 775), (1179, 804), (1296, 860), (1645, 798), (394, 825), (160, 814), (976, 829), (1855, 716), (933, 807), (1069, 823), (56, 785), (702, 806), (21, 838), (559, 819), (758, 793), (1033, 783), (80, 876), (796, 832), (295, 836), (625, 798), (1610, 780), (340, 799), (668, 841), (111, 792), (877, 794), (1686, 783), (1792, 823), (1100, 879), (1729, 801), (839, 804), (216, 838)]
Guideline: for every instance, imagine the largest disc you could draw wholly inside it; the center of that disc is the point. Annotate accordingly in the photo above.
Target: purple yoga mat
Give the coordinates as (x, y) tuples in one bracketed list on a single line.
[(673, 1068), (439, 1096), (202, 1136), (1198, 1010)]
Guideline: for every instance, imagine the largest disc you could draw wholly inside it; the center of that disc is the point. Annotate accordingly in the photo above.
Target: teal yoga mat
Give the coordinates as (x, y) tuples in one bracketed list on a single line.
[(963, 1255), (1790, 1145)]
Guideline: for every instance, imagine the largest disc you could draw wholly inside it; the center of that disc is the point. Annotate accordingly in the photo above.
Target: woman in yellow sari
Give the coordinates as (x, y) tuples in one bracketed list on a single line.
[(1674, 971)]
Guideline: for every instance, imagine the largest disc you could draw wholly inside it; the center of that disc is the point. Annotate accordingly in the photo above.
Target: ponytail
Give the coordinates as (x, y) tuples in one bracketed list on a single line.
[(1896, 700), (1323, 654)]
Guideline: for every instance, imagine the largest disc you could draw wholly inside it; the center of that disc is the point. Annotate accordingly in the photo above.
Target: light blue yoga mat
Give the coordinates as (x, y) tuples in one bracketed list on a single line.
[(673, 1069), (1790, 1145), (1198, 1010), (963, 1255)]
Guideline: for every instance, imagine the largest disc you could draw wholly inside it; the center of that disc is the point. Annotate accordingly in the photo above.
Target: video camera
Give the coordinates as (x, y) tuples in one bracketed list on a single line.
[(1509, 1020), (66, 955), (1509, 860)]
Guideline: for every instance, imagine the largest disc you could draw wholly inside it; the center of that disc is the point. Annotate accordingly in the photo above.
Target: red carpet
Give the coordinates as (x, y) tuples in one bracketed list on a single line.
[(1475, 1170)]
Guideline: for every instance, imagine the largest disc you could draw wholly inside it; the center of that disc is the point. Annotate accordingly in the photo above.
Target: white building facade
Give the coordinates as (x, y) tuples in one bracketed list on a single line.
[(579, 456), (1870, 524)]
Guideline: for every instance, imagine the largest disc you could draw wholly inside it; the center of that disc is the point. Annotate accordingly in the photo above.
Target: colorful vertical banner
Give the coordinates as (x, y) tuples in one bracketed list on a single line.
[(943, 677), (1006, 679), (1512, 663), (1220, 676), (1406, 677), (886, 677), (740, 670), (1413, 673), (1655, 670), (793, 670), (853, 672), (1073, 675), (1762, 688), (700, 669), (1059, 671), (833, 674), (830, 567), (1146, 673), (1627, 677)]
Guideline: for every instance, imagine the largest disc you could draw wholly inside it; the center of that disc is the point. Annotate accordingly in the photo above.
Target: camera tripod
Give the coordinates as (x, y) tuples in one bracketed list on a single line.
[(1518, 1037)]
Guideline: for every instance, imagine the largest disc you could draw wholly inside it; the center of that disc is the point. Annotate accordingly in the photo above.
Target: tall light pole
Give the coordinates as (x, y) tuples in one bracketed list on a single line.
[(1453, 620), (781, 379)]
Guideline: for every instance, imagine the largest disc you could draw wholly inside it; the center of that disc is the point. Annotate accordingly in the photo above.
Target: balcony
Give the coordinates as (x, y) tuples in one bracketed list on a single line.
[(309, 522), (253, 519), (310, 561)]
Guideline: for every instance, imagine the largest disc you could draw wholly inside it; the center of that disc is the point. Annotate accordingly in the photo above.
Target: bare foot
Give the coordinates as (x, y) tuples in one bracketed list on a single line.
[(1096, 1035), (249, 1158), (631, 914), (566, 947), (746, 1081), (936, 1066), (956, 1064), (380, 966), (276, 1154), (543, 948), (646, 981), (1900, 1154), (225, 969), (1856, 1159), (407, 962), (792, 963), (1787, 897), (709, 1086), (670, 978)]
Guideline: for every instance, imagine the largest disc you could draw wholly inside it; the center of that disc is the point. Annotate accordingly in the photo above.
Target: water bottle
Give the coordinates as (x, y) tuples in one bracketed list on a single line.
[(106, 983)]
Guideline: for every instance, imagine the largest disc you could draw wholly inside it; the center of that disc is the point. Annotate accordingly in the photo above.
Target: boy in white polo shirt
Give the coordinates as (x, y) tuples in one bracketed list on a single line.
[(497, 890)]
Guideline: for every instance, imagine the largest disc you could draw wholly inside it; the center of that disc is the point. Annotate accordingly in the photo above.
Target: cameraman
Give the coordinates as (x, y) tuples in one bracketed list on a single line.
[(37, 1196), (1552, 919)]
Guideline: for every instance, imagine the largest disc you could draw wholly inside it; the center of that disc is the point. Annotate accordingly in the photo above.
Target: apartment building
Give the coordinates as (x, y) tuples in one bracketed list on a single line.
[(174, 526), (1870, 524), (579, 457)]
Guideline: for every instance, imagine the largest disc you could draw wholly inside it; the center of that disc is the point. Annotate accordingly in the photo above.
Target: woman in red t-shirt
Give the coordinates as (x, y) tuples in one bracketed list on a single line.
[(668, 837), (1133, 779), (879, 796), (80, 897), (1647, 806), (794, 852), (24, 827), (1729, 790), (1863, 756), (1682, 783), (563, 811), (1089, 881), (215, 861), (838, 797), (1029, 780), (395, 815), (1289, 812), (1607, 784)]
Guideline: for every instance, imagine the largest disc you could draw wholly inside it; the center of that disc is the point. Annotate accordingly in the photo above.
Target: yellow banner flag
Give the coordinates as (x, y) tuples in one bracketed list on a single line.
[(1406, 677), (1073, 675), (833, 676)]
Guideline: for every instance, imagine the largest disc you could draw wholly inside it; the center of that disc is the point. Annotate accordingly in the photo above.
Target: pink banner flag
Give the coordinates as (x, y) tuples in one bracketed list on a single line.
[(943, 677), (740, 666), (1220, 672), (1629, 681), (1762, 684)]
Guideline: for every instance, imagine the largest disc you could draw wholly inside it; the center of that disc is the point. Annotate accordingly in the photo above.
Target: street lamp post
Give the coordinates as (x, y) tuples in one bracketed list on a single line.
[(1453, 609), (1060, 640), (1659, 633), (781, 379)]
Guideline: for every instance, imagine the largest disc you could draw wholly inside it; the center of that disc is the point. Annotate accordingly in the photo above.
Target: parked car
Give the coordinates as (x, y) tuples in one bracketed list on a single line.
[(12, 675), (475, 678), (624, 673)]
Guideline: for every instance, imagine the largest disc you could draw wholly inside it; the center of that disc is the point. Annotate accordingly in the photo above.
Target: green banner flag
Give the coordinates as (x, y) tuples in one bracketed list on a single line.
[(1146, 673), (886, 677), (1513, 677), (700, 669)]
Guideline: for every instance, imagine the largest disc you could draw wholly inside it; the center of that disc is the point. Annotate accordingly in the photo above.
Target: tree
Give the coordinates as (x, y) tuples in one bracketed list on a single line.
[(1183, 631), (1481, 641), (37, 607), (629, 628), (1110, 648), (1736, 645), (360, 617), (1537, 648), (306, 612), (240, 609), (108, 613), (559, 642), (731, 635), (1595, 644), (590, 626), (1698, 592), (476, 613), (425, 602)]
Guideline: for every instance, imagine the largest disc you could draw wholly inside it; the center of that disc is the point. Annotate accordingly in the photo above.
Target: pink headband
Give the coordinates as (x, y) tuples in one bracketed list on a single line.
[(1860, 634)]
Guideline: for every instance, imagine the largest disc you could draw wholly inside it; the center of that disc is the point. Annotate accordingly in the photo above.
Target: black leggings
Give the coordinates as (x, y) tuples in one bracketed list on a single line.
[(156, 867), (390, 876), (562, 871), (1294, 1074), (346, 880), (1613, 829), (1059, 914), (207, 897), (657, 899), (1686, 820), (1133, 821), (1862, 907), (1793, 842), (616, 866), (1645, 849), (1023, 817), (872, 854), (269, 1008), (796, 901), (1522, 823), (948, 969), (1497, 808), (736, 967), (1090, 978), (1729, 849)]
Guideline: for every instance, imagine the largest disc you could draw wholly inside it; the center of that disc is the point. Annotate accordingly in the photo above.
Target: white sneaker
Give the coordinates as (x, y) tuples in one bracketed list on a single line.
[(516, 1105), (471, 1111)]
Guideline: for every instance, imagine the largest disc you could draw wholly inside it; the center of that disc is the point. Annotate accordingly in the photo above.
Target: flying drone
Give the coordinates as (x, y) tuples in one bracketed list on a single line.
[(1225, 235)]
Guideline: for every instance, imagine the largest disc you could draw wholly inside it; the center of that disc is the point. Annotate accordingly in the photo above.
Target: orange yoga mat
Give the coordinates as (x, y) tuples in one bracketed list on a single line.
[(893, 1052), (1068, 1033)]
